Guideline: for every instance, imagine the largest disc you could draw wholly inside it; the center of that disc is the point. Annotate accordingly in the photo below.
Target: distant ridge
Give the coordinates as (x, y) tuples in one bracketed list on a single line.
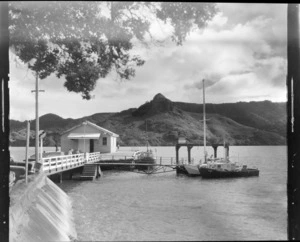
[(242, 123)]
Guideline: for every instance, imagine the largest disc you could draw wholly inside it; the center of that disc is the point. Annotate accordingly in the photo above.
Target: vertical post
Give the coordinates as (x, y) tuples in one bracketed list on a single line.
[(99, 171), (215, 147), (227, 151), (177, 158), (293, 124), (177, 154), (225, 157), (26, 153), (84, 124), (204, 123), (41, 150), (60, 177), (37, 156), (189, 153)]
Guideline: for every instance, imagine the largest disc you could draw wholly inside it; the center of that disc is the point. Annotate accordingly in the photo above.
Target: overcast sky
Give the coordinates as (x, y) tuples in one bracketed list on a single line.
[(241, 54)]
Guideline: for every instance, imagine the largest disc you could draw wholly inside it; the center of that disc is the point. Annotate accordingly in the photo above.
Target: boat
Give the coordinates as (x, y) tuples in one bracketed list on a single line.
[(144, 157), (218, 167), (226, 170), (193, 169)]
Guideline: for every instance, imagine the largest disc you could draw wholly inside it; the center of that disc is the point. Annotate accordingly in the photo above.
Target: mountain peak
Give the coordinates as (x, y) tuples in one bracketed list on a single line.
[(159, 104), (159, 97)]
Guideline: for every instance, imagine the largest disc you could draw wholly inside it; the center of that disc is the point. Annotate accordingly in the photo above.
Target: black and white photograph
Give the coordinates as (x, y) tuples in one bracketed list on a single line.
[(150, 121)]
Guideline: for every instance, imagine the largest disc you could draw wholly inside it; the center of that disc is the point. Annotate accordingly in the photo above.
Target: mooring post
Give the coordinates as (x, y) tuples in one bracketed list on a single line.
[(177, 158), (99, 171), (227, 151), (189, 147), (215, 147), (60, 177)]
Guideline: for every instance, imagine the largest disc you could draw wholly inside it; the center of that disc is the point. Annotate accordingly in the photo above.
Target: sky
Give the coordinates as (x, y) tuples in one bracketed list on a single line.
[(241, 54)]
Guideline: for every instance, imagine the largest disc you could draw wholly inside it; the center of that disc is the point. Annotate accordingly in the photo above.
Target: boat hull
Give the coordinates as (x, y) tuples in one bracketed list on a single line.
[(145, 160), (213, 173), (192, 170)]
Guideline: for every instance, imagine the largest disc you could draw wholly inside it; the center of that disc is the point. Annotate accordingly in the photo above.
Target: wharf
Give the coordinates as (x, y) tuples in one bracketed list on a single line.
[(91, 164)]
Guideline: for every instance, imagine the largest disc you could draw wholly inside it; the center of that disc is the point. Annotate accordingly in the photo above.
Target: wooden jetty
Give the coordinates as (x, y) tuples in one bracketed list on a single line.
[(91, 164)]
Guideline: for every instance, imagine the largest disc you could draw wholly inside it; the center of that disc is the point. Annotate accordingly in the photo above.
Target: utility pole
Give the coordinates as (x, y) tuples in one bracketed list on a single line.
[(26, 153), (204, 123), (37, 123)]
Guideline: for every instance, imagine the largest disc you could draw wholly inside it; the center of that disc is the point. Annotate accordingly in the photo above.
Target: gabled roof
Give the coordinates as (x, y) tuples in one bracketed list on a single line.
[(105, 131)]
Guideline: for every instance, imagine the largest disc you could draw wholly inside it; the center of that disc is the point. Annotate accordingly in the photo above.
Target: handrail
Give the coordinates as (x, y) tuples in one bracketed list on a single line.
[(93, 157), (66, 162), (56, 163)]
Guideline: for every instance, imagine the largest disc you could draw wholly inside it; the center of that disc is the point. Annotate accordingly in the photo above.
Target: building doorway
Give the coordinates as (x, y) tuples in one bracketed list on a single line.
[(91, 145)]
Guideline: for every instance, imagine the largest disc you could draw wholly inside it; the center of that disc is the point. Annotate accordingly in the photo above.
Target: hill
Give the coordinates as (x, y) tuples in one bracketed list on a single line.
[(162, 121)]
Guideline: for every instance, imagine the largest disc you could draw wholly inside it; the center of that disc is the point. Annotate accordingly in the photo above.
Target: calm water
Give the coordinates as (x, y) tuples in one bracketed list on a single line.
[(130, 206)]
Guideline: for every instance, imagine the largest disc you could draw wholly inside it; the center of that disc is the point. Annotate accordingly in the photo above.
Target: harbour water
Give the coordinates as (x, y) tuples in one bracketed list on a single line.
[(129, 206)]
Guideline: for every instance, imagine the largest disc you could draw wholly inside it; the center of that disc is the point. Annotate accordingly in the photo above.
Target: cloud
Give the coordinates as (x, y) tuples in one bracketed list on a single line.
[(241, 54), (199, 84), (275, 31)]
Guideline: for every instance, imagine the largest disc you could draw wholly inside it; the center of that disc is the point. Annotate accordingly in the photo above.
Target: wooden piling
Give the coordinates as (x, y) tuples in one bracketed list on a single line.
[(99, 172), (177, 147), (60, 177), (215, 147), (189, 147)]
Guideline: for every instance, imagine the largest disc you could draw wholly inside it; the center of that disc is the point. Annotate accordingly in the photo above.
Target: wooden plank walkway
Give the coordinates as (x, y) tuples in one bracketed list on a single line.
[(58, 164)]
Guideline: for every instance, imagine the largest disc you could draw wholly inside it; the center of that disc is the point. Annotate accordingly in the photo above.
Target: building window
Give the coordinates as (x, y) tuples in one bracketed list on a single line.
[(104, 141)]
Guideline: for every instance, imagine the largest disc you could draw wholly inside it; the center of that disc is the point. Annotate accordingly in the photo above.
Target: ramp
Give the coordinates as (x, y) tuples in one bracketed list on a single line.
[(90, 172)]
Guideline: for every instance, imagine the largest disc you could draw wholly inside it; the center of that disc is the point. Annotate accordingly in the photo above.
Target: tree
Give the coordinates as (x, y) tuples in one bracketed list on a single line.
[(85, 41)]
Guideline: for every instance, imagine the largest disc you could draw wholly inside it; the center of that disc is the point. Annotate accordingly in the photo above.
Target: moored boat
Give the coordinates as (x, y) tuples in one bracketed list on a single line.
[(226, 170), (144, 157), (193, 169)]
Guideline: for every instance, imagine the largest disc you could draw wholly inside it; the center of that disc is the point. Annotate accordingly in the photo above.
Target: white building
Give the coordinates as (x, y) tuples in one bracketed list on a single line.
[(88, 137)]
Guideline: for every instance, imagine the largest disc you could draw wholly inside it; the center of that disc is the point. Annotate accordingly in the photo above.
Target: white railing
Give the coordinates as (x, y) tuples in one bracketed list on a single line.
[(65, 162), (93, 157), (104, 157)]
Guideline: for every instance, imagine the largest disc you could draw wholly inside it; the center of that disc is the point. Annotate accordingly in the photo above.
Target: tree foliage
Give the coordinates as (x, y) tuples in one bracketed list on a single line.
[(85, 41), (184, 16)]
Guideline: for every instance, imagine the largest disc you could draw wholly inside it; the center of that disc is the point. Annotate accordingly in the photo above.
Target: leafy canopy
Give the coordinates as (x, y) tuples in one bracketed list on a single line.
[(85, 41)]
